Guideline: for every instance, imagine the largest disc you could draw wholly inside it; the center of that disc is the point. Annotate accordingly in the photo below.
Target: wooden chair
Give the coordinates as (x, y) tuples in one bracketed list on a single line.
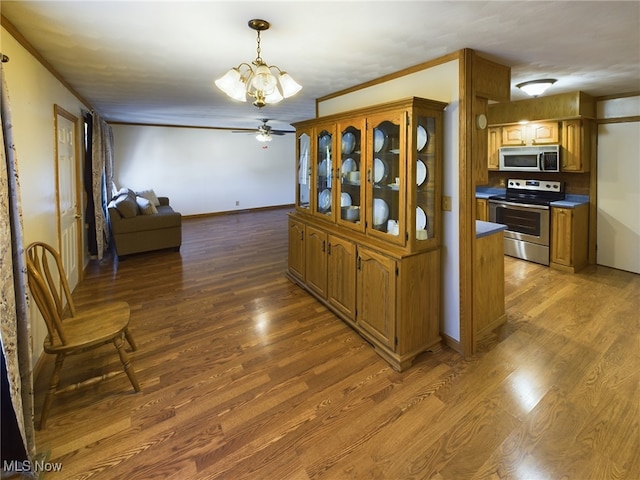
[(72, 331)]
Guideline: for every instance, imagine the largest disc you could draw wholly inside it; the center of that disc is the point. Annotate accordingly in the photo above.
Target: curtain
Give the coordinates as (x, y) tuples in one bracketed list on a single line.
[(14, 325), (101, 178)]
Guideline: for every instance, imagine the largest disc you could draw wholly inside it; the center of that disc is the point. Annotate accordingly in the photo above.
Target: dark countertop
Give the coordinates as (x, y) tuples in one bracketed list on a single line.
[(484, 229)]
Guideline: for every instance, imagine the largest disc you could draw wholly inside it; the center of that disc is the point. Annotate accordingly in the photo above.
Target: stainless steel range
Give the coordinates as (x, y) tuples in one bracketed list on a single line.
[(524, 209)]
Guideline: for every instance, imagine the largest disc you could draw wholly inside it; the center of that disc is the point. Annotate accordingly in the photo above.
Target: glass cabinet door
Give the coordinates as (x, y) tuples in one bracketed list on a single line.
[(386, 177), (351, 158), (303, 184), (425, 179), (324, 171)]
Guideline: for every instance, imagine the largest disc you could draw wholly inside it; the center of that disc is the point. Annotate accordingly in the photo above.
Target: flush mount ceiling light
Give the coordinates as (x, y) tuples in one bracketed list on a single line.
[(536, 87), (258, 80)]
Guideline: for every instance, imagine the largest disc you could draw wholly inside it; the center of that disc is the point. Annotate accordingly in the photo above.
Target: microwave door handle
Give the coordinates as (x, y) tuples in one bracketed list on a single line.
[(540, 162)]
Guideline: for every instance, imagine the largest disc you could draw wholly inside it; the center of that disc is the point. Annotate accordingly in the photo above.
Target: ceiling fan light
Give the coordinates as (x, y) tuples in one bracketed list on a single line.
[(231, 83), (263, 137), (289, 86), (536, 87)]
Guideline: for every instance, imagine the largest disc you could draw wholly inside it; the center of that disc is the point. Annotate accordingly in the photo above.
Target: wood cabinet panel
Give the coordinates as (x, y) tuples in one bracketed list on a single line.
[(569, 238), (494, 142), (376, 287), (514, 135), (342, 275), (576, 145), (296, 249), (482, 209), (316, 260), (544, 133)]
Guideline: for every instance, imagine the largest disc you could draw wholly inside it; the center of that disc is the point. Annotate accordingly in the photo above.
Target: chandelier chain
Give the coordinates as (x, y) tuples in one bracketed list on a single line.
[(258, 60)]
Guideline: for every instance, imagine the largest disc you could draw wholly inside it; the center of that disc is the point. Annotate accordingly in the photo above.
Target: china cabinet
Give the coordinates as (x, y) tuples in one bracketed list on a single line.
[(368, 208)]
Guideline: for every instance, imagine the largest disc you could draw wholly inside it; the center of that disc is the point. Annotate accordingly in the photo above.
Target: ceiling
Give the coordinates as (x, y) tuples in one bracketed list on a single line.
[(155, 61)]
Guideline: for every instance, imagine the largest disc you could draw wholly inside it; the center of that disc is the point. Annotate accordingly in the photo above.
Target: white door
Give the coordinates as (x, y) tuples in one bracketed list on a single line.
[(68, 214), (619, 196)]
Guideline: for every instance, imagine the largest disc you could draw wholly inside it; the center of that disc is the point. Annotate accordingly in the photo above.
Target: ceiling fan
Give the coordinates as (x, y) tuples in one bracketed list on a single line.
[(264, 131)]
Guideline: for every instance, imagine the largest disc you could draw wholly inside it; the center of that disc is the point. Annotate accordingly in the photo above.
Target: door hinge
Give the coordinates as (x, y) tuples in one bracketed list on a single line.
[(396, 342), (397, 271)]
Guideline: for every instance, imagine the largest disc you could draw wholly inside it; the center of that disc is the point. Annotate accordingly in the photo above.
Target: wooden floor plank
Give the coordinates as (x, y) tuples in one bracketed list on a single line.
[(246, 376)]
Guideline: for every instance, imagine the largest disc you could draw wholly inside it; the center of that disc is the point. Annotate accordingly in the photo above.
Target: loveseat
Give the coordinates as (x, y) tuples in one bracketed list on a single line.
[(141, 222)]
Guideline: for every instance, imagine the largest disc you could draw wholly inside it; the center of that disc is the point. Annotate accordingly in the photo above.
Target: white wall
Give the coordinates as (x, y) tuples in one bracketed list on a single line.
[(33, 91), (437, 83), (205, 170), (618, 237)]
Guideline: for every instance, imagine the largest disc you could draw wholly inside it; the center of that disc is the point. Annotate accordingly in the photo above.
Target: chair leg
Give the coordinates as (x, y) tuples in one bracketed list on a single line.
[(53, 386), (124, 358), (130, 339)]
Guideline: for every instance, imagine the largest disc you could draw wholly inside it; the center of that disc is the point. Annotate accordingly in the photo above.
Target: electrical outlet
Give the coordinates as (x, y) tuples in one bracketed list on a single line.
[(237, 203), (446, 203)]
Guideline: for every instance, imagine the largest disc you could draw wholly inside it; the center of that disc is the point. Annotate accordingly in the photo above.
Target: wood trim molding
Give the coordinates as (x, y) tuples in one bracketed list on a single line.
[(15, 33), (391, 76), (245, 210), (634, 118), (619, 95)]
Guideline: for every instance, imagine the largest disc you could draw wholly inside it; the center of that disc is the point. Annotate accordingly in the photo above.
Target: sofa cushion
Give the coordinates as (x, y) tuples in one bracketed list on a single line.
[(126, 205), (149, 195), (145, 206), (165, 218)]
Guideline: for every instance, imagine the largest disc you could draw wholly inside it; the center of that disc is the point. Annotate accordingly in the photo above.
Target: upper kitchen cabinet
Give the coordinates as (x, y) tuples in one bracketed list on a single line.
[(565, 119), (576, 145), (538, 133)]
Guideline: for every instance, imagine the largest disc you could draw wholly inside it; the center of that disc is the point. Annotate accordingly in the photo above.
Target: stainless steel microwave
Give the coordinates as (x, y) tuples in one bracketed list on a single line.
[(530, 159)]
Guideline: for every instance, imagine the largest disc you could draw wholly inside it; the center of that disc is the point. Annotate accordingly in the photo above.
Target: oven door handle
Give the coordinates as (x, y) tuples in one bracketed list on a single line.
[(520, 205)]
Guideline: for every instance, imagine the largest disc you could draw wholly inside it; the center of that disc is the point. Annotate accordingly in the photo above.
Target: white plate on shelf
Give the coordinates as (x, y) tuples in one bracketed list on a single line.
[(349, 165), (379, 170), (423, 137), (378, 139), (421, 219), (421, 172), (325, 142), (345, 200), (324, 199), (348, 143), (380, 211)]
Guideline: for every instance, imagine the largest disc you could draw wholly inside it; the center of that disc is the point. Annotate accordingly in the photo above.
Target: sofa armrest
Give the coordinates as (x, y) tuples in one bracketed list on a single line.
[(163, 200)]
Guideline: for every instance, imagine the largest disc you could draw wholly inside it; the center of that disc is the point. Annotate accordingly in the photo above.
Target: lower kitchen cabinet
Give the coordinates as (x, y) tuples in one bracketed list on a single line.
[(569, 238), (392, 299), (482, 209)]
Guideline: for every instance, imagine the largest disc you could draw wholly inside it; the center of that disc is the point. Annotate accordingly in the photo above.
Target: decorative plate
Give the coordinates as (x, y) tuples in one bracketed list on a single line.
[(421, 172), (380, 211), (423, 137)]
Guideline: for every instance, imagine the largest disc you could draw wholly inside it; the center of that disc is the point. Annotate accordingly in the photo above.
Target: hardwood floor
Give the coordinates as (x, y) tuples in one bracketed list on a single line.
[(245, 376)]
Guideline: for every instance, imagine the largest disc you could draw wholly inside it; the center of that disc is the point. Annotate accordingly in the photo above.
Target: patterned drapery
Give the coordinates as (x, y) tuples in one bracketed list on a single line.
[(15, 330), (102, 178)]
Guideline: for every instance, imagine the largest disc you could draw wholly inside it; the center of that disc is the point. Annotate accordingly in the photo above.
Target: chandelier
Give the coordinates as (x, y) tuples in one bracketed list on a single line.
[(258, 80)]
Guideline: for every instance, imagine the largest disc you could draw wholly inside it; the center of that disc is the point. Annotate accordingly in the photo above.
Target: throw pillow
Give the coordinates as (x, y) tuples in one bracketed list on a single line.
[(145, 206), (126, 206), (149, 195)]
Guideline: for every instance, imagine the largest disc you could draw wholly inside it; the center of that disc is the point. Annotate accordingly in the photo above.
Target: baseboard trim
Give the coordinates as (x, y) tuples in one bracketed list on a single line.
[(451, 343), (233, 212)]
